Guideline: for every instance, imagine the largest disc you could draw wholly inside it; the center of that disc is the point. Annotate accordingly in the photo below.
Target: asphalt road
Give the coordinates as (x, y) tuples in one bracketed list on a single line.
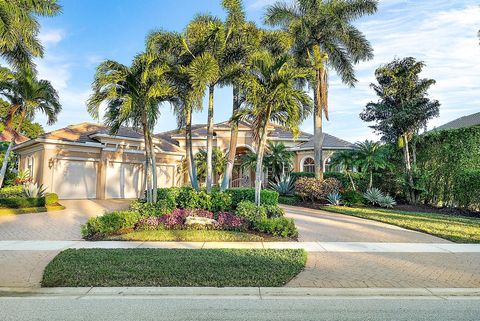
[(172, 309)]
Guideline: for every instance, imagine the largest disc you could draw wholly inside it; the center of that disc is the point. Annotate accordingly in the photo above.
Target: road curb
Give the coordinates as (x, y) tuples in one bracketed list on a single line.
[(234, 292)]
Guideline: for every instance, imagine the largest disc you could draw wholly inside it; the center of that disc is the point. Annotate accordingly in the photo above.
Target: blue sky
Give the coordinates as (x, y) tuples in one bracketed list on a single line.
[(442, 33)]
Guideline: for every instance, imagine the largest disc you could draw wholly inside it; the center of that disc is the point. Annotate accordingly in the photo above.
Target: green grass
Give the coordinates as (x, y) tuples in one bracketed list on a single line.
[(30, 210), (193, 236), (453, 228), (173, 267)]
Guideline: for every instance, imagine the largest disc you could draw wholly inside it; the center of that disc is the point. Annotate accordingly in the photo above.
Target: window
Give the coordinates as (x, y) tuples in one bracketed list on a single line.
[(308, 165)]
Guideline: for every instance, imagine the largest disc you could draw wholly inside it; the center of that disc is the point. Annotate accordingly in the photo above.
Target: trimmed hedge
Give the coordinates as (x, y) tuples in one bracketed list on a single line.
[(289, 200), (51, 198), (280, 226), (267, 197), (467, 189), (295, 175), (12, 191), (20, 202), (109, 223)]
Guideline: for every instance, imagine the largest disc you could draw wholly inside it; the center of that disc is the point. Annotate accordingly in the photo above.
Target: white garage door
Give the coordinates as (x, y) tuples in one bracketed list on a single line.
[(74, 179), (165, 176), (124, 180)]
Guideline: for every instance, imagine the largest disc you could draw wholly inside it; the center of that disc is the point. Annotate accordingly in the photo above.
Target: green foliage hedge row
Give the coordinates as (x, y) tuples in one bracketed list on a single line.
[(20, 202), (109, 223), (12, 191), (449, 160), (279, 226), (267, 197)]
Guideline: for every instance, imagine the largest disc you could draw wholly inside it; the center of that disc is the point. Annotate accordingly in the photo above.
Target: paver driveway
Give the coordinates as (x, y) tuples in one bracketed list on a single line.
[(318, 225)]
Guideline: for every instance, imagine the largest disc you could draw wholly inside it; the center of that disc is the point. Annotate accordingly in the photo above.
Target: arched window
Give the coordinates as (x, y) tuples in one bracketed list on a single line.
[(308, 165)]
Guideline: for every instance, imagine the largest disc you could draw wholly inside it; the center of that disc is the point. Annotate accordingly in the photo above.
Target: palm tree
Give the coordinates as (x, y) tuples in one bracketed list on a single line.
[(346, 160), (26, 95), (272, 94), (19, 29), (219, 161), (278, 158), (370, 157), (324, 37), (205, 39), (133, 95)]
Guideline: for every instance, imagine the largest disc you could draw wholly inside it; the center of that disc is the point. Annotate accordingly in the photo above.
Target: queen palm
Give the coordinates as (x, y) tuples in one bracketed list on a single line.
[(19, 29), (272, 95), (324, 37), (370, 157), (346, 161), (26, 95), (278, 158), (132, 96)]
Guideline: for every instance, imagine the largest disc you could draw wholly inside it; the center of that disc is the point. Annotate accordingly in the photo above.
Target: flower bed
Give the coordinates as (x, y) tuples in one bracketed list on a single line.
[(175, 210)]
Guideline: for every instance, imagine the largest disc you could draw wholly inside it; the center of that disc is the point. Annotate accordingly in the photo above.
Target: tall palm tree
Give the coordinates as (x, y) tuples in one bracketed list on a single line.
[(219, 161), (346, 160), (19, 29), (132, 96), (273, 95), (324, 37), (278, 158), (26, 95), (370, 157)]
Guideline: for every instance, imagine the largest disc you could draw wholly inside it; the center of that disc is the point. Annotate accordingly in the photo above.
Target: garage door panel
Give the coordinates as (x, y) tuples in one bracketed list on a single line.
[(75, 179), (124, 180), (165, 176)]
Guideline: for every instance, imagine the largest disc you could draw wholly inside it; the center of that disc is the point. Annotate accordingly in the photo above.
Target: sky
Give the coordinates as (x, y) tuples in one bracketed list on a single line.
[(442, 33)]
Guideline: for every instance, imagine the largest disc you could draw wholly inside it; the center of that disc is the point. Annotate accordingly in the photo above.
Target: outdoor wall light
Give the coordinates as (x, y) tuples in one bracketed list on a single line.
[(51, 162)]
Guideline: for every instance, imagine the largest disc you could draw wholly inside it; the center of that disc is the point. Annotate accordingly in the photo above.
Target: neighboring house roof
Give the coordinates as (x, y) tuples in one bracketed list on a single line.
[(465, 121), (329, 142), (7, 134)]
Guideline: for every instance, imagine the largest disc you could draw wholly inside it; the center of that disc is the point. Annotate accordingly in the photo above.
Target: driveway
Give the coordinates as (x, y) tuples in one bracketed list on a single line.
[(318, 225)]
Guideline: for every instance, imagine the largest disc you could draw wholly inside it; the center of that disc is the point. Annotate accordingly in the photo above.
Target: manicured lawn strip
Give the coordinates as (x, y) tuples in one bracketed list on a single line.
[(173, 267), (30, 210), (194, 236), (453, 228)]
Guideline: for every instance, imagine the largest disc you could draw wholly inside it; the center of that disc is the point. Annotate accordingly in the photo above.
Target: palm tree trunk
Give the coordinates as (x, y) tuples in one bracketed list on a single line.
[(260, 152), (3, 171), (192, 173), (317, 123), (408, 168), (209, 178), (371, 180), (148, 186), (233, 141), (154, 168), (351, 181)]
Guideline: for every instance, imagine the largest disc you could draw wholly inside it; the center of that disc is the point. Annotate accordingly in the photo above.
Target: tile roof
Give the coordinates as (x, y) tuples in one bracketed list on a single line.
[(329, 141), (465, 121), (7, 134)]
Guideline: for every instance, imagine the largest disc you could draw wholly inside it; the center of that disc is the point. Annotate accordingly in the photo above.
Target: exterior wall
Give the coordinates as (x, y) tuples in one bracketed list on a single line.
[(300, 156)]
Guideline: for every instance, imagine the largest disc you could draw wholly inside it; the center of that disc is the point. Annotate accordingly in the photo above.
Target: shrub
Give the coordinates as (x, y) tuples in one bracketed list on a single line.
[(387, 201), (283, 185), (373, 196), (274, 211), (168, 196), (251, 212), (174, 220), (219, 201), (12, 191), (267, 197), (109, 223), (22, 202), (316, 189), (352, 198), (161, 208), (280, 226), (296, 175), (33, 190), (51, 198), (149, 223), (334, 199), (289, 200), (359, 179), (467, 189), (229, 221), (187, 198), (198, 212)]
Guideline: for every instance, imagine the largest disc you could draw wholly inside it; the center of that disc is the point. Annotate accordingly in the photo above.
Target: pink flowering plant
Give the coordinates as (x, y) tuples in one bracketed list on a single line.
[(229, 221)]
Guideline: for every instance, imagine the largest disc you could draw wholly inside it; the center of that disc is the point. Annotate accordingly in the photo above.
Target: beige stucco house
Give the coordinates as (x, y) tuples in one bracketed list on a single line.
[(84, 161)]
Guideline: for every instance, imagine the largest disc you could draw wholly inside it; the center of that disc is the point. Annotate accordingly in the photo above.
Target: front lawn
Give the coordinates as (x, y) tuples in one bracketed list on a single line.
[(453, 228), (173, 267), (194, 236)]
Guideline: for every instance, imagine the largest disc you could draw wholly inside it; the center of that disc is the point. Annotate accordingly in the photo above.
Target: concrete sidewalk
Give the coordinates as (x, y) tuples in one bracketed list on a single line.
[(354, 247)]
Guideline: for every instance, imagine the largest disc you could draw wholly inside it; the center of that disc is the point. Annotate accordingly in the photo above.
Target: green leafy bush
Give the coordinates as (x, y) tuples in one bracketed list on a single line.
[(289, 200), (159, 209), (316, 189), (109, 223), (51, 198), (359, 179), (22, 202), (251, 212), (351, 198), (467, 189), (187, 197), (12, 191), (296, 175), (274, 211), (267, 197), (168, 196), (280, 226)]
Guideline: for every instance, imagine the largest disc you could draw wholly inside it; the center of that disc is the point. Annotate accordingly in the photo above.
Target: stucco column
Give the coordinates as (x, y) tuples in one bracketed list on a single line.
[(102, 175)]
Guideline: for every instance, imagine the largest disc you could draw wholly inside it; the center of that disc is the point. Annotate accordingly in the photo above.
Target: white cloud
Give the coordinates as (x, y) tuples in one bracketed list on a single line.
[(51, 36)]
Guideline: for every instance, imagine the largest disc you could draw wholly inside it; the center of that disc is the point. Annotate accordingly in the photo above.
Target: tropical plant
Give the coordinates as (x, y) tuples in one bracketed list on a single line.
[(218, 160), (29, 128), (334, 199), (132, 96), (248, 160), (23, 177), (387, 201), (370, 157), (324, 37), (283, 184), (403, 107), (278, 158), (33, 190), (272, 94), (19, 29), (374, 196), (345, 160), (26, 95)]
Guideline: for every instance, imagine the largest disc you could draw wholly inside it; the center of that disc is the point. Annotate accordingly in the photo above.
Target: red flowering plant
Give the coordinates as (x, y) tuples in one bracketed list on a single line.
[(229, 221)]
